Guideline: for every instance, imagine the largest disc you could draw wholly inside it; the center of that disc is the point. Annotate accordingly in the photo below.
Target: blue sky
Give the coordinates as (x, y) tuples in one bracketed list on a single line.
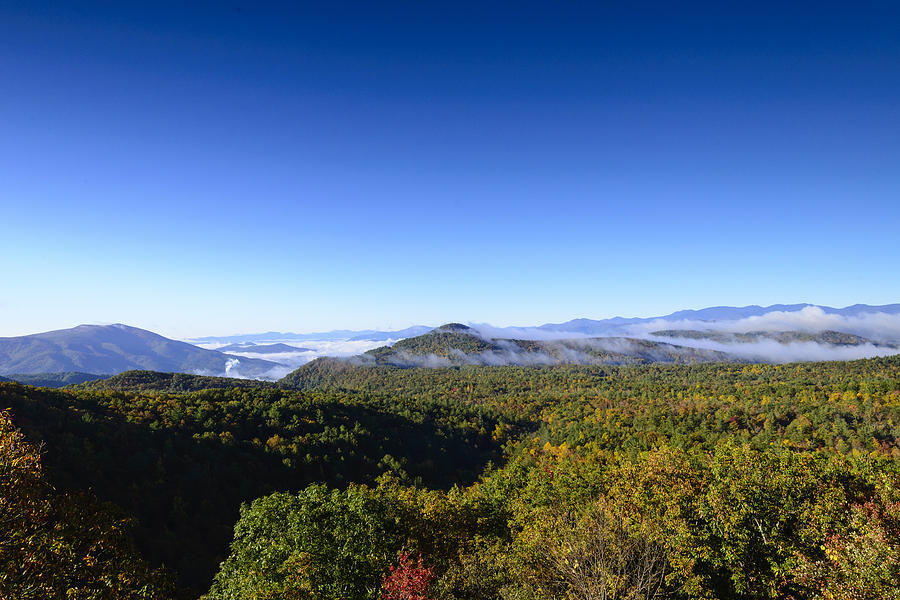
[(234, 167)]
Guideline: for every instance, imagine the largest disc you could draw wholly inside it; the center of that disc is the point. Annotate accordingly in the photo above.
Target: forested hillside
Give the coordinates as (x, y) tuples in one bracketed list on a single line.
[(183, 463), (110, 349), (67, 545), (53, 379), (456, 344), (681, 481), (133, 381)]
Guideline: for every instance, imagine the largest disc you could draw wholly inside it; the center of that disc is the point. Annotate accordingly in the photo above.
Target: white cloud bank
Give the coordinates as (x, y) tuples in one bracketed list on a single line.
[(774, 352), (877, 326), (288, 361)]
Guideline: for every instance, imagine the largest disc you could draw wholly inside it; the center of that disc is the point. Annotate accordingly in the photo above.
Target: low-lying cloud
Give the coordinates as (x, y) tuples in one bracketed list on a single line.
[(489, 332), (881, 329), (582, 351), (877, 326), (289, 361), (768, 350)]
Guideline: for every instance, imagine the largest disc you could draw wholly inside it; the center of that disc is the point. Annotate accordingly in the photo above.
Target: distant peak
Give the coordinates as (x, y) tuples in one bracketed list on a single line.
[(454, 327), (107, 326)]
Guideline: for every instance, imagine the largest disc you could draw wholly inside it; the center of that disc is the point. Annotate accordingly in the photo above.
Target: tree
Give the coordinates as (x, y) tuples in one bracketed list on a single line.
[(601, 559), (862, 561), (407, 580), (322, 543), (55, 546)]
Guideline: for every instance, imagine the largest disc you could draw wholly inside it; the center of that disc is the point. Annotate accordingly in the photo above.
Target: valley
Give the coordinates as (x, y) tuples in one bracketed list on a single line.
[(495, 447), (488, 458)]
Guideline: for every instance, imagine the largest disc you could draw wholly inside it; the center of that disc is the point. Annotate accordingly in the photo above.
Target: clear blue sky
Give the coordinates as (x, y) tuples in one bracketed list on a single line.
[(203, 168)]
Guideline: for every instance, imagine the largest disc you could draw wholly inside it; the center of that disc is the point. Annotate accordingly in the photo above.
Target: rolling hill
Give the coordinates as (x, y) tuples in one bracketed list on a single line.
[(456, 345), (134, 381), (53, 380)]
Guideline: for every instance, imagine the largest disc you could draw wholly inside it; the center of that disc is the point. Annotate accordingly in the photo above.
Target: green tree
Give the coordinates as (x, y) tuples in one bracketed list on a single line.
[(321, 543)]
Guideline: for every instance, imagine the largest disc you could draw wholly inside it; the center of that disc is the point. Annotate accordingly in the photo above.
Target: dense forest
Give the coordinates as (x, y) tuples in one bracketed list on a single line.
[(360, 481)]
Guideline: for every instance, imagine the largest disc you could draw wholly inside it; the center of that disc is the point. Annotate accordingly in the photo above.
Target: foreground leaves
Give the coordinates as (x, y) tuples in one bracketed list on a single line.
[(63, 546)]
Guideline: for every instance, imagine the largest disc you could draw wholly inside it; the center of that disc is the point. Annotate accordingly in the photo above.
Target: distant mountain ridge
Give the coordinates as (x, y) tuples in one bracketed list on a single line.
[(112, 349), (262, 348), (336, 335), (834, 338), (858, 331), (54, 380), (583, 326), (713, 313), (383, 336)]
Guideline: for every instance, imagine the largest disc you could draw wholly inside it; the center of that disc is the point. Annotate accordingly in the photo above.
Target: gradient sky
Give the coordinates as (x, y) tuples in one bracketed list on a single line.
[(214, 168)]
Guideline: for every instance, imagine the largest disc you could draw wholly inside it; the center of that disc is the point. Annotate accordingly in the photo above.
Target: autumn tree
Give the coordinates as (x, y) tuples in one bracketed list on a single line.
[(407, 580), (55, 546), (592, 553)]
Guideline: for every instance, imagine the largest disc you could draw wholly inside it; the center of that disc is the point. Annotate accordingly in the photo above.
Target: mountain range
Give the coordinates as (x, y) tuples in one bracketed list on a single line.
[(336, 335), (582, 326), (776, 333), (711, 315)]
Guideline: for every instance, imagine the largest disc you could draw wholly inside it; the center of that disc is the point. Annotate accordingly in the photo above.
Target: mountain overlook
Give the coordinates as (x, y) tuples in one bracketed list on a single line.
[(112, 349)]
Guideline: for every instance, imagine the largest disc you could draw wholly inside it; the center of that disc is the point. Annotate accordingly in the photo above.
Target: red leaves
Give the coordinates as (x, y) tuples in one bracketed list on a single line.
[(409, 580)]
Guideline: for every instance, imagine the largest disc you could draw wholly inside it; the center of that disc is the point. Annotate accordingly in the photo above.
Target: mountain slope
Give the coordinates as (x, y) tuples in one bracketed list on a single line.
[(112, 349), (456, 345), (135, 381), (54, 380)]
